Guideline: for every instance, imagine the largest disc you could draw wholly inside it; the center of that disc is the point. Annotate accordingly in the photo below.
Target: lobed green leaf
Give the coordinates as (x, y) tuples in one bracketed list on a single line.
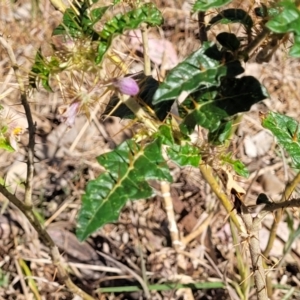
[(237, 165), (286, 131), (146, 13), (199, 69), (288, 20), (209, 108), (183, 154), (128, 167), (81, 25), (41, 70)]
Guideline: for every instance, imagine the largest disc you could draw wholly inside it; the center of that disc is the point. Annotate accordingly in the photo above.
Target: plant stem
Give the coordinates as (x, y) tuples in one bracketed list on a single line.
[(31, 125), (47, 241), (255, 253), (26, 206), (168, 204), (255, 44), (147, 63), (242, 264), (278, 215), (202, 28), (132, 104), (207, 173)]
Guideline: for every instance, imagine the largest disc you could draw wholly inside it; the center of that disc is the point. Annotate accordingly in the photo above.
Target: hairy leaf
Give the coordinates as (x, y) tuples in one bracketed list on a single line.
[(128, 167), (204, 5), (286, 131)]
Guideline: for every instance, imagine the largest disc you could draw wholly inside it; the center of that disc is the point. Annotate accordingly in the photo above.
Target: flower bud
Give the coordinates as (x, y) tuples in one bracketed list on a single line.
[(127, 86)]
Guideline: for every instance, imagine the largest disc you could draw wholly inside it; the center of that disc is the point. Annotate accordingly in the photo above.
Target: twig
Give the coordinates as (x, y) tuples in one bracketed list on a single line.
[(187, 239), (26, 206), (256, 43), (46, 239), (202, 27), (207, 173), (242, 264), (177, 243), (255, 253), (287, 193), (31, 126), (147, 64), (78, 265), (168, 204), (270, 207)]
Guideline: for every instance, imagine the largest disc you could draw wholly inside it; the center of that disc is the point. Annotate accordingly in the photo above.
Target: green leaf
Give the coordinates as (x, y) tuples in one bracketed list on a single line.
[(183, 154), (239, 94), (264, 11), (204, 5), (5, 145), (199, 69), (42, 69), (128, 167), (240, 169), (228, 40), (81, 25), (285, 129), (208, 109), (222, 134), (97, 14), (232, 15), (206, 114), (237, 165), (295, 50), (70, 25), (146, 13), (288, 20)]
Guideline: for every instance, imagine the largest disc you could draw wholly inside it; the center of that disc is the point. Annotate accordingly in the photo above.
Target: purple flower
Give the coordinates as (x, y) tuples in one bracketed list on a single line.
[(69, 114), (127, 86)]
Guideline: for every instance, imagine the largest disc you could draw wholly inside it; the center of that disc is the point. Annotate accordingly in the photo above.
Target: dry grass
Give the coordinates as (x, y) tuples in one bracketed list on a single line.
[(140, 240)]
